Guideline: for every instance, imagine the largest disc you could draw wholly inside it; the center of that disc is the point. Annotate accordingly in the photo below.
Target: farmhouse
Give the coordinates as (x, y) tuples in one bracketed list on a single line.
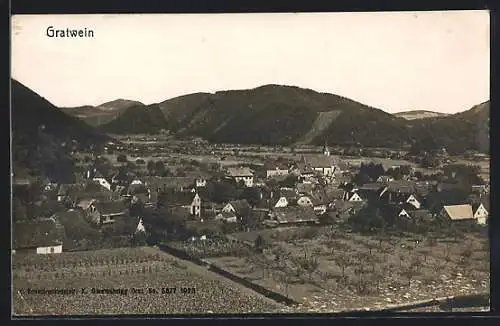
[(105, 212), (241, 174), (279, 201), (41, 236), (140, 226), (352, 196), (344, 209)]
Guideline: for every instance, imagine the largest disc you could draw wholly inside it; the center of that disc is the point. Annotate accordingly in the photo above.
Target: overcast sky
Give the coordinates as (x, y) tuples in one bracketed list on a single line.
[(393, 61)]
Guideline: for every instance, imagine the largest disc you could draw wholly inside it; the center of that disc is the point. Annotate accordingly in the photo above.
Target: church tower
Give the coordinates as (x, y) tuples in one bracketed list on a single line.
[(326, 151)]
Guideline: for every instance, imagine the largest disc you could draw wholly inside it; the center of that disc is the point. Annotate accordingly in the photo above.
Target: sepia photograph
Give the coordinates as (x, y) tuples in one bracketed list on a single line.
[(250, 163)]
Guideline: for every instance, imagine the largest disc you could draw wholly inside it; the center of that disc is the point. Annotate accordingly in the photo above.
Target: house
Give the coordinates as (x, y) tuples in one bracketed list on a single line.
[(352, 196), (241, 174), (276, 169), (412, 200), (385, 179), (303, 171), (158, 184), (41, 236), (105, 212), (140, 226), (420, 215), (480, 213), (293, 216), (458, 212), (370, 191), (305, 201), (324, 165), (99, 178), (200, 182), (278, 201), (237, 207), (289, 193), (344, 209), (481, 189), (62, 192), (319, 203), (229, 217), (183, 199)]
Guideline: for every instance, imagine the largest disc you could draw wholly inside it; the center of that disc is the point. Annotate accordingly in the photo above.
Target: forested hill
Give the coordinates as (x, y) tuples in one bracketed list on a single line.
[(43, 136)]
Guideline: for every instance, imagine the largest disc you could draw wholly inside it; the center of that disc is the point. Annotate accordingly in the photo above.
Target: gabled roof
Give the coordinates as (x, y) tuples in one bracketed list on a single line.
[(475, 206), (370, 187), (37, 233), (459, 212), (111, 207), (240, 205), (420, 213), (240, 172)]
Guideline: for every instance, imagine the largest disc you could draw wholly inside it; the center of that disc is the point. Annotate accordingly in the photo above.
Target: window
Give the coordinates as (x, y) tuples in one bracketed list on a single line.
[(51, 250)]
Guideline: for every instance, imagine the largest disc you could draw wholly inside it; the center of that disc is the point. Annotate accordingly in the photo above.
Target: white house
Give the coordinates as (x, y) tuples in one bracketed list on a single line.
[(241, 174), (480, 214), (353, 197), (99, 178), (140, 226), (200, 182), (413, 201), (304, 201), (41, 236), (280, 202), (404, 213)]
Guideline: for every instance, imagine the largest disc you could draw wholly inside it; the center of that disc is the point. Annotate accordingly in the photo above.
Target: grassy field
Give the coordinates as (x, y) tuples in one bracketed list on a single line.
[(376, 271), (196, 289)]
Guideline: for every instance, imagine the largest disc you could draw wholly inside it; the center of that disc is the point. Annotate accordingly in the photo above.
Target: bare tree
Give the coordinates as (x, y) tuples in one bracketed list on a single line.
[(409, 273), (343, 261)]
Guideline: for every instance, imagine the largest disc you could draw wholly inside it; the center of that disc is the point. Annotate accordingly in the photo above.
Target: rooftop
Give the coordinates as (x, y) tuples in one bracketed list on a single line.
[(240, 172), (459, 212), (37, 233)]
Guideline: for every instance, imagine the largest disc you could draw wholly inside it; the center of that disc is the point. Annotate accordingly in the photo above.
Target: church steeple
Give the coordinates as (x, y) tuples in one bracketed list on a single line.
[(326, 151)]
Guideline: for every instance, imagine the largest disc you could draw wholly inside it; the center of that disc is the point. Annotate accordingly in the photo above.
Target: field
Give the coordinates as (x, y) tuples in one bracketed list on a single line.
[(196, 289), (377, 272)]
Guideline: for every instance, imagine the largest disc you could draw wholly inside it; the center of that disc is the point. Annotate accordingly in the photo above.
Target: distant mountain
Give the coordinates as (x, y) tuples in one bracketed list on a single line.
[(468, 130), (101, 114), (43, 136), (287, 115), (419, 114), (137, 119), (275, 114)]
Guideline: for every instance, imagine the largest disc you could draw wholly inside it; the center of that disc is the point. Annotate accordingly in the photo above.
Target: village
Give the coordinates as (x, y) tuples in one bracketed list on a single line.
[(258, 213)]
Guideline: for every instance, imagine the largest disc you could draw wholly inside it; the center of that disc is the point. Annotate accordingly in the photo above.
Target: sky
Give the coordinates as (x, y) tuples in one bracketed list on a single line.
[(395, 61)]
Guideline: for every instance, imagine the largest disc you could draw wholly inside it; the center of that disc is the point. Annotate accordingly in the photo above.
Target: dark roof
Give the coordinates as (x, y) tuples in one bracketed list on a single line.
[(37, 233), (240, 205), (288, 193), (275, 166), (294, 214), (168, 182), (111, 207), (401, 186), (137, 189), (370, 187), (69, 214), (179, 198)]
